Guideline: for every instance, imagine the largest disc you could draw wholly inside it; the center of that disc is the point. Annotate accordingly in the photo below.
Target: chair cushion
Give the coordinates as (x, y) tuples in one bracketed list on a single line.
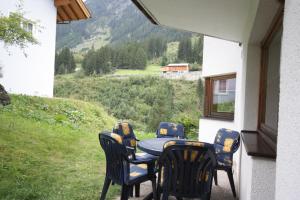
[(229, 139), (223, 158), (137, 171), (117, 137), (168, 129), (226, 143), (125, 130)]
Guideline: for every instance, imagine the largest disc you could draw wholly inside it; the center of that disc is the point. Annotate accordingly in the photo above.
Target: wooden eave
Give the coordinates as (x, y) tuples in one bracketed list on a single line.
[(71, 10), (146, 12)]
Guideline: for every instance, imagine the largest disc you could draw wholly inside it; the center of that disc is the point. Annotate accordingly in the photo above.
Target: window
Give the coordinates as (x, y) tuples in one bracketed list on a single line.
[(26, 24), (222, 86), (269, 82), (220, 96), (28, 27)]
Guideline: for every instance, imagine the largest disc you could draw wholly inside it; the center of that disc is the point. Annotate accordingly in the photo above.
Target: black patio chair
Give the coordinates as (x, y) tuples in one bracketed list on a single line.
[(226, 144), (169, 129), (121, 168), (186, 170), (125, 130)]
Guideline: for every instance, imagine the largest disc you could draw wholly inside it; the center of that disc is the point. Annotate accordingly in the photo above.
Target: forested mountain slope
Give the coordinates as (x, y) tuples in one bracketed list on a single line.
[(112, 22)]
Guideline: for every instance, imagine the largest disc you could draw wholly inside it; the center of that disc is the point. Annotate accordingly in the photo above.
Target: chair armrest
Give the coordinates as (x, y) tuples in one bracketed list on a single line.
[(131, 152), (142, 161)]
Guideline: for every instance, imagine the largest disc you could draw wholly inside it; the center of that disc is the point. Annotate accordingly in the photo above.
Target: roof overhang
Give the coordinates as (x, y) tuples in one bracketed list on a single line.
[(218, 18), (70, 10)]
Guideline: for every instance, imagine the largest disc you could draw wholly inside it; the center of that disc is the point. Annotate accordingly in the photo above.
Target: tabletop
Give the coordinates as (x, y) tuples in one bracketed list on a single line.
[(154, 146)]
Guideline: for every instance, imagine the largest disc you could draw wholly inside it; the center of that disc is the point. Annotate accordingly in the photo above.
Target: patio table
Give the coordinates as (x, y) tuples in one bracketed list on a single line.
[(154, 146)]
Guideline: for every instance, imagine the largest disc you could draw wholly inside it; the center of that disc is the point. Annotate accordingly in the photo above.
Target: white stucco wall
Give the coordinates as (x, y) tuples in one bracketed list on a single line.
[(263, 178), (257, 175), (34, 74), (220, 57), (288, 157), (245, 174), (254, 184), (208, 128)]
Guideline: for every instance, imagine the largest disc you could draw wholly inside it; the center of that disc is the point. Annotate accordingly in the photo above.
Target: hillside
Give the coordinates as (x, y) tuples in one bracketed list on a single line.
[(112, 22), (49, 149), (143, 100)]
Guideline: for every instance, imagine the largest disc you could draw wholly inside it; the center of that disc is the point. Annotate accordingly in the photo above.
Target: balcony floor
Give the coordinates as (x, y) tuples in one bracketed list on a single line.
[(220, 192)]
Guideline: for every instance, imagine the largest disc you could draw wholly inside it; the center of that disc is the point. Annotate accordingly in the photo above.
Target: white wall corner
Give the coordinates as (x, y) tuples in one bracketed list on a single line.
[(288, 156)]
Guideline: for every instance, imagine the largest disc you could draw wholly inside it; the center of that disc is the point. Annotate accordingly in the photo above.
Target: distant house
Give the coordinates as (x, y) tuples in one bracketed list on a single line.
[(34, 74), (176, 68)]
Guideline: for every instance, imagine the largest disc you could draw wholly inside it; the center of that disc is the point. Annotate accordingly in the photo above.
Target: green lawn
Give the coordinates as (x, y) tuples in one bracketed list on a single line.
[(150, 70), (49, 149)]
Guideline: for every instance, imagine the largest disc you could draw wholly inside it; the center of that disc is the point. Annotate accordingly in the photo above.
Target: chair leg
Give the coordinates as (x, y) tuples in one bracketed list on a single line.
[(105, 188), (216, 177), (230, 177), (153, 180), (165, 196), (158, 191), (165, 193), (137, 190), (125, 192), (131, 191)]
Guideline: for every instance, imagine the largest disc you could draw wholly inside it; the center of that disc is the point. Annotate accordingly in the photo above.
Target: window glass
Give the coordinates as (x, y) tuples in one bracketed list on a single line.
[(224, 95), (28, 27), (272, 82), (220, 97)]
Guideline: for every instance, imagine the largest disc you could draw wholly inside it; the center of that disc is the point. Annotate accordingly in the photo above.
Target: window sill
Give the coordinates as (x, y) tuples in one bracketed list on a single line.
[(256, 146), (218, 118)]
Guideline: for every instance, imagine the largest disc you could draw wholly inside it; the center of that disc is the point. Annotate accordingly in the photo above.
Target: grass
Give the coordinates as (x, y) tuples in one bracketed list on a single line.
[(49, 149), (150, 70)]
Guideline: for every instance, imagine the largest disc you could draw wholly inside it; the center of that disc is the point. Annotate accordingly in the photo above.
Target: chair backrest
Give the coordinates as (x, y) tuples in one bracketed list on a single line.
[(117, 164), (125, 130), (186, 169), (168, 129), (226, 143)]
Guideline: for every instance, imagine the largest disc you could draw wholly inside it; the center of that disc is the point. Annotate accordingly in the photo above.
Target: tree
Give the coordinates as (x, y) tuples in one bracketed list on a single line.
[(185, 51), (198, 51), (139, 59), (64, 62), (164, 61), (104, 60), (12, 32), (89, 62), (156, 47)]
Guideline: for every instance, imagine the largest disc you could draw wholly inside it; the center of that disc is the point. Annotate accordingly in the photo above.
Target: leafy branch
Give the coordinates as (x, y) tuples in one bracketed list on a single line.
[(12, 31)]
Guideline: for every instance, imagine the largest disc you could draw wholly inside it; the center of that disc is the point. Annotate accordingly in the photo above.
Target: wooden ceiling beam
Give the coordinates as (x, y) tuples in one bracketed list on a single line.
[(69, 10), (58, 3)]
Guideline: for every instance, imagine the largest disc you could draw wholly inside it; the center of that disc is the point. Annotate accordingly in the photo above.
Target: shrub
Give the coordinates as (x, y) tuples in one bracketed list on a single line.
[(145, 101)]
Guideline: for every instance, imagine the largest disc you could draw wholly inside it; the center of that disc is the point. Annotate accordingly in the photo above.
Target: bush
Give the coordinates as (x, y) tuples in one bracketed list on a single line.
[(200, 92), (145, 101)]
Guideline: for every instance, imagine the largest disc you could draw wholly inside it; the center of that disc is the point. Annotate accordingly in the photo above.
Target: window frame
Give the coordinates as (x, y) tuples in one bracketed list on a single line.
[(208, 101), (268, 134)]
